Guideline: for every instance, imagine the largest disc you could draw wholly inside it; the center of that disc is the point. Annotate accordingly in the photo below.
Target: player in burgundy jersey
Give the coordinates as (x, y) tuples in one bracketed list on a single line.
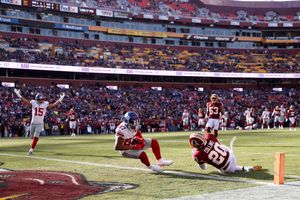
[(72, 118), (214, 111), (208, 150), (291, 116)]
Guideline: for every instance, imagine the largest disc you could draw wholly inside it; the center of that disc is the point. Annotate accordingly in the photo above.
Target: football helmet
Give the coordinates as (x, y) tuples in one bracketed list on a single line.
[(292, 107), (39, 98), (132, 120), (214, 98), (197, 140)]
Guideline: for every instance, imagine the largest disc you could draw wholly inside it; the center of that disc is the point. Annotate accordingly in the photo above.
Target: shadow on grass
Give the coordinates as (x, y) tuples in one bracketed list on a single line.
[(262, 175)]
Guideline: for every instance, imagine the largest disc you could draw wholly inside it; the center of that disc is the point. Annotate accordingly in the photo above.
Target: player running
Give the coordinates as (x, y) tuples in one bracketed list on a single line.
[(213, 114), (276, 116), (72, 118), (39, 109), (265, 116), (208, 150), (291, 116), (131, 144)]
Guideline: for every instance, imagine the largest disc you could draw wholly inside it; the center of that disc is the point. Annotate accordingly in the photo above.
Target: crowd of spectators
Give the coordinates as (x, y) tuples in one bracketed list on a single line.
[(133, 57), (179, 8), (160, 110)]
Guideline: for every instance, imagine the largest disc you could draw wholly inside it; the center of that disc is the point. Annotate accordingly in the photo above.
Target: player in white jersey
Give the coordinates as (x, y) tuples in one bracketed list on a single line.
[(185, 120), (249, 118), (282, 116), (276, 116), (131, 144), (265, 116), (225, 118), (39, 109)]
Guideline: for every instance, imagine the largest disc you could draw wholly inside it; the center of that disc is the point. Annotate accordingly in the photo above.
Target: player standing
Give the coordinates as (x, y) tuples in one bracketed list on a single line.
[(265, 116), (249, 113), (201, 119), (72, 118), (131, 144), (213, 114), (185, 119), (225, 118), (291, 116), (282, 116), (276, 116), (208, 150), (39, 109)]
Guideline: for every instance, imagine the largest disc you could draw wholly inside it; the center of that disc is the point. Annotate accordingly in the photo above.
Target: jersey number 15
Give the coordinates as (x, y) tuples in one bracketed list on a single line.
[(39, 111)]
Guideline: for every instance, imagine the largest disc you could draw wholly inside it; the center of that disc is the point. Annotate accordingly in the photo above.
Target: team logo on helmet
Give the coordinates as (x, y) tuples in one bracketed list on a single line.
[(197, 140), (132, 120), (39, 97)]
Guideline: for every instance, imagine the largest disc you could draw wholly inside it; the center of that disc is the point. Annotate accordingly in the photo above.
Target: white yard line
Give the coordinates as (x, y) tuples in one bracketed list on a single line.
[(167, 172)]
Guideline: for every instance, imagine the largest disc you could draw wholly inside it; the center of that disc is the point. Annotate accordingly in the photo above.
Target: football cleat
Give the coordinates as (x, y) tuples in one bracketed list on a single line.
[(155, 168), (162, 162), (30, 152), (253, 168)]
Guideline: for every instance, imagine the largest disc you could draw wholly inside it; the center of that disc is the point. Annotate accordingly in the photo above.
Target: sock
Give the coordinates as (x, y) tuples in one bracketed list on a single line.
[(144, 159), (155, 149), (34, 142)]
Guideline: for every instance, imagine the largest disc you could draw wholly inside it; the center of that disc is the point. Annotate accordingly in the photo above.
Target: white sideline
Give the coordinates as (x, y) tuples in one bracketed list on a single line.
[(288, 191), (167, 172)]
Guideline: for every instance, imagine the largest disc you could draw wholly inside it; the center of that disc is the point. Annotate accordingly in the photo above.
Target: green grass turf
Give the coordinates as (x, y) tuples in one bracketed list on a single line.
[(252, 148)]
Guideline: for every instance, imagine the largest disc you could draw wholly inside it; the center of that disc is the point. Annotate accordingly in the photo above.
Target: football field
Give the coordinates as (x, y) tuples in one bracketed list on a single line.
[(94, 157)]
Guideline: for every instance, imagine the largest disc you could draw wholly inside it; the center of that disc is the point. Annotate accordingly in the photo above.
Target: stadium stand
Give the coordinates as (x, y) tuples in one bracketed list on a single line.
[(135, 57), (160, 110)]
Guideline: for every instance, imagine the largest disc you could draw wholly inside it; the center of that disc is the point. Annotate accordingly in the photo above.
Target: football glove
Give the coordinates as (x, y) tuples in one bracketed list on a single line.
[(61, 97), (137, 143)]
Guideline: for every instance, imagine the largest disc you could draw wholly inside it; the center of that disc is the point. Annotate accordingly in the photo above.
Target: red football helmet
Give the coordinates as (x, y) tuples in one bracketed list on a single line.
[(197, 140)]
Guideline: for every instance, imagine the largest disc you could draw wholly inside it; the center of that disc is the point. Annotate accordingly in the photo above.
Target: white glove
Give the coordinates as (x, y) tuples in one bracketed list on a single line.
[(203, 166), (18, 92), (61, 97)]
